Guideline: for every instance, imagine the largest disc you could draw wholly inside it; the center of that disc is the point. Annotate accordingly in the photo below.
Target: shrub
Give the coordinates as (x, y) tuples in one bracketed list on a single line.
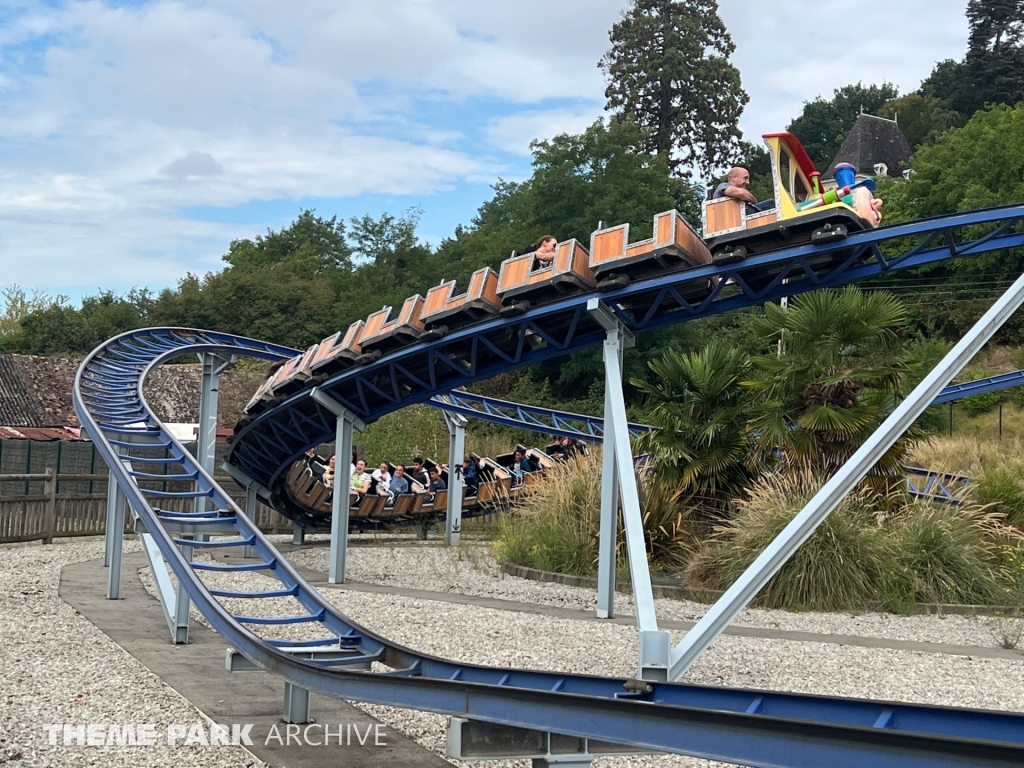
[(975, 405), (843, 566), (1016, 395), (555, 526), (1002, 486), (960, 454), (668, 528), (416, 430), (928, 553), (949, 554)]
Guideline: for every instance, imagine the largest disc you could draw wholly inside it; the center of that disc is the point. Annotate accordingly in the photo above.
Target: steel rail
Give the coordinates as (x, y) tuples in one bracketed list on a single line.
[(756, 728)]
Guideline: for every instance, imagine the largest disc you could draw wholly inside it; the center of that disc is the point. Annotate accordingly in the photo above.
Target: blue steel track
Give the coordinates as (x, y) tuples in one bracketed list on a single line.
[(748, 727), (265, 447)]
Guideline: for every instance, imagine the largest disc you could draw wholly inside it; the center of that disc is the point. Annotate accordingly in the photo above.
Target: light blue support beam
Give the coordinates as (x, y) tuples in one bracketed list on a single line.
[(162, 579), (182, 602), (213, 366), (614, 344), (456, 483), (346, 422), (296, 704), (115, 498), (115, 538), (768, 563), (250, 512), (654, 643)]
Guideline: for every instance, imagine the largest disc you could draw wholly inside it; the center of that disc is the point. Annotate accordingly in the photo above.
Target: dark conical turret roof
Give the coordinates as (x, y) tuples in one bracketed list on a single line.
[(874, 140)]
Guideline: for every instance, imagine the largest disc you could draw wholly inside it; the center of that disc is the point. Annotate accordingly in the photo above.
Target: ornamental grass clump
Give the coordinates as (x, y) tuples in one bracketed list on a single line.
[(555, 522), (1002, 486), (950, 554), (844, 565)]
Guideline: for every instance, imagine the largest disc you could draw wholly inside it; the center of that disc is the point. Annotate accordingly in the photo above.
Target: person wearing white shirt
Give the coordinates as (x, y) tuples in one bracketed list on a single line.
[(383, 477)]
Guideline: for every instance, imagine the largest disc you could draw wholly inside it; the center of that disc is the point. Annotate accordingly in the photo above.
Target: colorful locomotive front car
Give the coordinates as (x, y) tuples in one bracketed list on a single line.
[(803, 210)]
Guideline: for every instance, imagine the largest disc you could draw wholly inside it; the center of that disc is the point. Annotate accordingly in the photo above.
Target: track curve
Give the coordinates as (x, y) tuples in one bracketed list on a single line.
[(756, 728)]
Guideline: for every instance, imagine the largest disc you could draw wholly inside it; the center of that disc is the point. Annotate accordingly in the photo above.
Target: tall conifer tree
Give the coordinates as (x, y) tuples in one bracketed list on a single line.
[(995, 57), (669, 68)]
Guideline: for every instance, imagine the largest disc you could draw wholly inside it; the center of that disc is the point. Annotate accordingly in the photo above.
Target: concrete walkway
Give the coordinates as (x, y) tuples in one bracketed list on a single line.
[(196, 671)]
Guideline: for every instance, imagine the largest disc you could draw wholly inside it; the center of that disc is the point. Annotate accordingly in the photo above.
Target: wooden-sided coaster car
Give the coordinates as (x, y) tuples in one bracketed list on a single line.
[(402, 506), (332, 355), (368, 506), (384, 333), (804, 210), (523, 281), (440, 501), (674, 245), (445, 310)]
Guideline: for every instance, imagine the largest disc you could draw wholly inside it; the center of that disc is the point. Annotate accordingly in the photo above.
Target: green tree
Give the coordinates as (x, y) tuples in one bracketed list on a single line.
[(700, 409), (950, 82), (823, 125), (577, 181), (922, 118), (669, 68), (60, 328), (995, 59), (976, 166), (18, 305), (837, 375), (320, 241)]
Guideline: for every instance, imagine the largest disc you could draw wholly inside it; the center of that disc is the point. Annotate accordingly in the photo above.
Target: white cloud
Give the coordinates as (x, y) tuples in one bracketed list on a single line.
[(515, 132), (115, 118), (791, 52), (193, 164)]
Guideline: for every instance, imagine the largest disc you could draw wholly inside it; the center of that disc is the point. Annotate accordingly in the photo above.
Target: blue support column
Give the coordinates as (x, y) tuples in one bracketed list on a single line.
[(115, 537), (613, 345), (115, 499), (182, 603), (206, 449), (250, 512), (346, 422)]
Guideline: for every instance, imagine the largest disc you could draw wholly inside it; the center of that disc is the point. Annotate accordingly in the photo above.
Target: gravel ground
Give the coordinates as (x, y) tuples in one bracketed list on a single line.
[(471, 570), (56, 667), (502, 638), (46, 676)]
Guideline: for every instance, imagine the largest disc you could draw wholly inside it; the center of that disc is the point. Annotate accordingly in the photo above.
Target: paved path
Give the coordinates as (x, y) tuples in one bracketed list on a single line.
[(196, 671)]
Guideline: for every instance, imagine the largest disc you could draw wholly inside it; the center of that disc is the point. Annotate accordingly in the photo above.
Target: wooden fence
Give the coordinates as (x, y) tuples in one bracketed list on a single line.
[(55, 513)]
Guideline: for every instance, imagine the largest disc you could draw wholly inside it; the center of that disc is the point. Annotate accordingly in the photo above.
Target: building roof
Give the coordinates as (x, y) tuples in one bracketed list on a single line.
[(41, 434), (17, 406), (871, 141), (35, 392)]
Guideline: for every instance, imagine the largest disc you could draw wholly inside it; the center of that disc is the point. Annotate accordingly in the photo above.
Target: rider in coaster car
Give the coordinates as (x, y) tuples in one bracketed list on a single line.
[(737, 186)]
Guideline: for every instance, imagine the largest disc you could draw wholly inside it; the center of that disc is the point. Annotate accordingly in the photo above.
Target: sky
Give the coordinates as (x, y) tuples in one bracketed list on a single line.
[(138, 138)]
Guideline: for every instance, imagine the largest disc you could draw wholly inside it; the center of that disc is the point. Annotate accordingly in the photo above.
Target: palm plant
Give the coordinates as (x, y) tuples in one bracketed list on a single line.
[(699, 407), (837, 375)]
